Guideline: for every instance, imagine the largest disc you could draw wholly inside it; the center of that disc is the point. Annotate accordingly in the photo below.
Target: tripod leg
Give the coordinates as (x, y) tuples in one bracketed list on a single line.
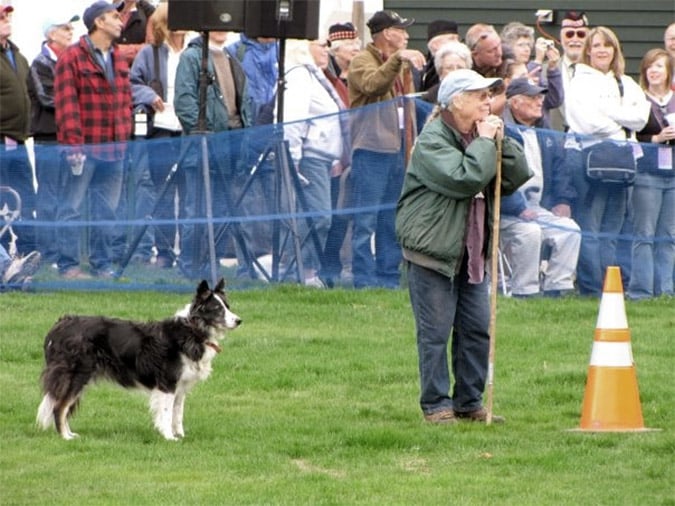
[(286, 179), (139, 234), (233, 209), (209, 209)]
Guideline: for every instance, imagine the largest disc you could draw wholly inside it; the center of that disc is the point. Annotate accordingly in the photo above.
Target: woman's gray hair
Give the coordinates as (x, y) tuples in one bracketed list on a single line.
[(515, 30), (452, 47)]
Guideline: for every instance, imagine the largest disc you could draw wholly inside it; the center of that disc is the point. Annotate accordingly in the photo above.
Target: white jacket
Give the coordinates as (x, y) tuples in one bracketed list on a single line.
[(594, 105), (320, 135)]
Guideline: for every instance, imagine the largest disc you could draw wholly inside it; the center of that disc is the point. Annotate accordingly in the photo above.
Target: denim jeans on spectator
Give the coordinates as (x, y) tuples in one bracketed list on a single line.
[(377, 179), (150, 168), (317, 196), (49, 167), (442, 305), (600, 211), (16, 172), (99, 185), (339, 225), (194, 257), (654, 242), (5, 260)]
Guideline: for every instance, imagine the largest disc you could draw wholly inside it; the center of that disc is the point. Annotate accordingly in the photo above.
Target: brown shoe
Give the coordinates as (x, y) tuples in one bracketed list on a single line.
[(445, 416), (478, 415), (75, 273)]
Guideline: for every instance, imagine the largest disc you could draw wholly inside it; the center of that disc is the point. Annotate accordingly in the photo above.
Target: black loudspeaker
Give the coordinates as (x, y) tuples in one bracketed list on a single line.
[(205, 16), (293, 19)]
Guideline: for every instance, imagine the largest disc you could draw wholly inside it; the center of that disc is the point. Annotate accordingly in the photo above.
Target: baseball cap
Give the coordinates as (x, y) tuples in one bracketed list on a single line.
[(523, 86), (382, 20), (95, 10), (57, 21), (461, 80)]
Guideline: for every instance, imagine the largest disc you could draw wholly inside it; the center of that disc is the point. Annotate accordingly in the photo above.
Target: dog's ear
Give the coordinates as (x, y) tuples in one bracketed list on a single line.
[(220, 287), (202, 290)]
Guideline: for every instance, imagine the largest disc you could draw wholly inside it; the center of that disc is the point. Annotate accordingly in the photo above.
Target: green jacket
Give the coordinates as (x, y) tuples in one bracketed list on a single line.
[(440, 183), (14, 99), (186, 97)]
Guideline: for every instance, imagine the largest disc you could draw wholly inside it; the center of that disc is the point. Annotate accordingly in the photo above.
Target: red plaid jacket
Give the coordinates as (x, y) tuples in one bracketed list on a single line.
[(88, 109)]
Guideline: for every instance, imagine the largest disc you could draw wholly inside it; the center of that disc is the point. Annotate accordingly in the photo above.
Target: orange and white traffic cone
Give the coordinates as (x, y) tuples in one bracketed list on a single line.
[(612, 400)]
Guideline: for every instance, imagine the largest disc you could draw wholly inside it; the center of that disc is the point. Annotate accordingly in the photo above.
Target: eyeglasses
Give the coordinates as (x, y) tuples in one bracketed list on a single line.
[(481, 95), (571, 33), (482, 36)]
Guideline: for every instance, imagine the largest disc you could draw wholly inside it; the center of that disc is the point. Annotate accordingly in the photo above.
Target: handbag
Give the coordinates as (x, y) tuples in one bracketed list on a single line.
[(610, 162)]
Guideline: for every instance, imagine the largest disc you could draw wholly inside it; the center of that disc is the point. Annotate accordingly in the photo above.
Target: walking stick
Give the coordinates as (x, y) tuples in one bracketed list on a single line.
[(494, 280)]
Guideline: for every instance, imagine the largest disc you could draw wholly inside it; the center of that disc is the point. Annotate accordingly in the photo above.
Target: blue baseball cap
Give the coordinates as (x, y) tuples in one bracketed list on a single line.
[(95, 10)]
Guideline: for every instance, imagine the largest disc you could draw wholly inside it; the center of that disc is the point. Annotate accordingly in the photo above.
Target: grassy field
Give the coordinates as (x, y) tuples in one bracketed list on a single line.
[(314, 401)]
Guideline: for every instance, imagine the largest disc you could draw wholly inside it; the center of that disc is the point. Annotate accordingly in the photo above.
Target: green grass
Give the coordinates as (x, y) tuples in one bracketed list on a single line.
[(314, 401)]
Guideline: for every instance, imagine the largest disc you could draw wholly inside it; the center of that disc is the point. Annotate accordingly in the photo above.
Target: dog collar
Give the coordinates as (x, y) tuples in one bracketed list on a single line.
[(216, 347)]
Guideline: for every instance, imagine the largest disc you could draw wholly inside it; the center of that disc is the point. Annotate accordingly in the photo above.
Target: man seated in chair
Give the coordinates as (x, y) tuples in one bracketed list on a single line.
[(538, 215)]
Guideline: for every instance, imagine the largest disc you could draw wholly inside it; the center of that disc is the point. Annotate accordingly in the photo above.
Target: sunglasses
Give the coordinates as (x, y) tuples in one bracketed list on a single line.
[(571, 33)]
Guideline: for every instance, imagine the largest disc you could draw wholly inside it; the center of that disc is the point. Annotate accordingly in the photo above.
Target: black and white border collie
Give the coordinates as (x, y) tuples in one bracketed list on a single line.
[(166, 358)]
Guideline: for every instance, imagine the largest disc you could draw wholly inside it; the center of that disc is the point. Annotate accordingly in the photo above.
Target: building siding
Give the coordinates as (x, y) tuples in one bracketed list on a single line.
[(638, 28)]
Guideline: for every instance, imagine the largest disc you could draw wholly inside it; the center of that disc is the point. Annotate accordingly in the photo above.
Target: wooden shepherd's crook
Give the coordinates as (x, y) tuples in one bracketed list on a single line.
[(494, 279)]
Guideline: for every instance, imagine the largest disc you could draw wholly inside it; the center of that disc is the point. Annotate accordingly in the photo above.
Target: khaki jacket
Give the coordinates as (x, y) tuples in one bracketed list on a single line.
[(371, 81)]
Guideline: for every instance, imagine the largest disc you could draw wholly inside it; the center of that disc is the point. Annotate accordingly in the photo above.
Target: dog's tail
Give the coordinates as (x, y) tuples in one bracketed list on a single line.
[(45, 414)]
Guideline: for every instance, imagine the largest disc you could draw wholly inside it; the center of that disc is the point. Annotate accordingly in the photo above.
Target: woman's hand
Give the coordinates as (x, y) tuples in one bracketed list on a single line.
[(491, 127), (667, 134)]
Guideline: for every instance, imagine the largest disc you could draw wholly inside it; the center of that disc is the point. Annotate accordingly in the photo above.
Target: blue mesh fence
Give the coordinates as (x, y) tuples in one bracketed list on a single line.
[(233, 204)]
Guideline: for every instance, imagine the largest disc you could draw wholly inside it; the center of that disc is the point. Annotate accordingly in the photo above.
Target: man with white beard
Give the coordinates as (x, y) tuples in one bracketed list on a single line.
[(573, 31)]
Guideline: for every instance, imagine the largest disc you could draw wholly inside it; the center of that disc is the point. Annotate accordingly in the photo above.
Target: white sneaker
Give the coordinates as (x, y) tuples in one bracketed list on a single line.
[(314, 282), (22, 268)]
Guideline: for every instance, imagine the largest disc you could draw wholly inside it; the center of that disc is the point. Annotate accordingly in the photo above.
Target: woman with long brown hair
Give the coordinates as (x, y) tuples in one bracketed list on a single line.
[(603, 103), (653, 253)]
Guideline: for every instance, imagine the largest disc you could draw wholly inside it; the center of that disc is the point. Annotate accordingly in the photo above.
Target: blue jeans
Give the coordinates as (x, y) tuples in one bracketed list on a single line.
[(194, 258), (5, 260), (100, 181), (653, 253), (442, 305), (48, 171), (317, 196), (600, 211), (377, 179)]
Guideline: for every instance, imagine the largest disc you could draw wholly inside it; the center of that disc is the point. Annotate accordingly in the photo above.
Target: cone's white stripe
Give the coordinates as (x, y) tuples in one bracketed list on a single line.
[(612, 314), (611, 354)]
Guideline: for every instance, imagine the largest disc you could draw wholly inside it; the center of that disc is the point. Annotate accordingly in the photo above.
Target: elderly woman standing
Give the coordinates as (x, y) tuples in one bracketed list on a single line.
[(605, 103), (443, 224), (450, 56), (317, 145), (653, 255)]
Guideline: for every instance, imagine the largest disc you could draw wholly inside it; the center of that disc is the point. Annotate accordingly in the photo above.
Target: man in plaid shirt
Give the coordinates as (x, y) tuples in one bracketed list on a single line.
[(92, 95)]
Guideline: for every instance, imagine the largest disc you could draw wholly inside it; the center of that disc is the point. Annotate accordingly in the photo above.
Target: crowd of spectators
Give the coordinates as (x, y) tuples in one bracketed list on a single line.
[(131, 77)]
